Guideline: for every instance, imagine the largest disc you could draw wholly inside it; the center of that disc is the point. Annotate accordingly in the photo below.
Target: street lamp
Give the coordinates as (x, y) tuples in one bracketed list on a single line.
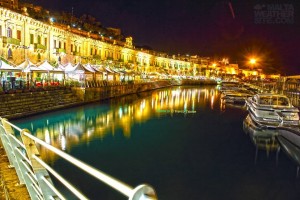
[(252, 62)]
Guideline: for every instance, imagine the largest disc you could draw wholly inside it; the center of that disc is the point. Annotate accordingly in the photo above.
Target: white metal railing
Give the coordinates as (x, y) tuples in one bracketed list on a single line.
[(33, 171)]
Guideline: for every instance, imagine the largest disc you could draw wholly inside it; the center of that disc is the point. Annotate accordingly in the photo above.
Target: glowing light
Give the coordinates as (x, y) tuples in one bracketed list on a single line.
[(120, 112), (252, 61)]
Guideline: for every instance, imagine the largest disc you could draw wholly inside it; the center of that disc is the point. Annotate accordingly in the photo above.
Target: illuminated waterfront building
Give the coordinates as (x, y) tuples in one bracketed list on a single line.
[(24, 37)]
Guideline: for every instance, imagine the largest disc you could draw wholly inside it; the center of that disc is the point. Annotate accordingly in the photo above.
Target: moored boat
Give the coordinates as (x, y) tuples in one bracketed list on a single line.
[(289, 140), (235, 97), (272, 110)]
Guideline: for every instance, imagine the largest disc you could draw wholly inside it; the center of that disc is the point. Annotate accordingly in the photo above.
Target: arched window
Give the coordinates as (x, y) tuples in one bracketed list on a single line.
[(9, 53), (9, 32)]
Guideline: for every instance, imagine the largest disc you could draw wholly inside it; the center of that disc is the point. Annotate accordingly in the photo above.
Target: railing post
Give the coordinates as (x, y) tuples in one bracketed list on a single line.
[(143, 192), (37, 168), (10, 146)]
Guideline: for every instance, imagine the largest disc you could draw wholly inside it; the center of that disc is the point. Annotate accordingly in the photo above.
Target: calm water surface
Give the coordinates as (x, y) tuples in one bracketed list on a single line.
[(183, 141)]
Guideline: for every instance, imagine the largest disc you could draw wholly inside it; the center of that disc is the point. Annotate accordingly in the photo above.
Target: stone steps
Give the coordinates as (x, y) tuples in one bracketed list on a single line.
[(27, 103)]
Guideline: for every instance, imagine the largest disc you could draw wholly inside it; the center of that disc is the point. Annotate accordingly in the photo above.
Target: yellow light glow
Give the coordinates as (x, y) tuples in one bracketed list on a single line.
[(252, 61)]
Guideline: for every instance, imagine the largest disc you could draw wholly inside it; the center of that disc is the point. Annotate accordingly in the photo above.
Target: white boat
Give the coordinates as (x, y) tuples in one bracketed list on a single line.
[(235, 97), (263, 139), (272, 110), (289, 140)]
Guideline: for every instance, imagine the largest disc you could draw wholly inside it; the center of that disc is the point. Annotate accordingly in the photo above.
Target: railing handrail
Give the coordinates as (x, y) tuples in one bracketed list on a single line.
[(142, 191)]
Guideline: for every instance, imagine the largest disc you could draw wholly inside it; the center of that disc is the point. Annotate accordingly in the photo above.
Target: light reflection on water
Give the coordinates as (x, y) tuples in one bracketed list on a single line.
[(83, 124), (264, 140)]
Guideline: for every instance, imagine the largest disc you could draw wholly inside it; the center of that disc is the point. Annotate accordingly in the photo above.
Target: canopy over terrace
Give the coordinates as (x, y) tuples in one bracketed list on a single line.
[(27, 68), (8, 76), (79, 73), (6, 67), (124, 75), (110, 74), (68, 67), (54, 74), (98, 72)]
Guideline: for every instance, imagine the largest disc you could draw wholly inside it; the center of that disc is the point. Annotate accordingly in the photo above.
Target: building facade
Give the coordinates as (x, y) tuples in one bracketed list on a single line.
[(22, 37)]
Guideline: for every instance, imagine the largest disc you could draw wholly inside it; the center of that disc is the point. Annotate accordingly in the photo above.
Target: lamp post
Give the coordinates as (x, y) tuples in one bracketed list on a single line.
[(252, 62)]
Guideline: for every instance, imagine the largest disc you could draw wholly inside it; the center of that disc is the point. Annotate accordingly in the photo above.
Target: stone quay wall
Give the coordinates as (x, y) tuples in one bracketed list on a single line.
[(100, 93), (40, 100)]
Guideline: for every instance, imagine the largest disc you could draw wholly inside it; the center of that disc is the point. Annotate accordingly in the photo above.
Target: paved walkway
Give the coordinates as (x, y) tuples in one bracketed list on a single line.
[(9, 182)]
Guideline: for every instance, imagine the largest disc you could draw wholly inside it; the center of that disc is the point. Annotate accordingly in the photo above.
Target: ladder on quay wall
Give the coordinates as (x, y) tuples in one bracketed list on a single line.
[(33, 172)]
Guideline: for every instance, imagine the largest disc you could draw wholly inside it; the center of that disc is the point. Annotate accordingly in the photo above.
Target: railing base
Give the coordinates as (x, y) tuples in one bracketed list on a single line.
[(145, 192)]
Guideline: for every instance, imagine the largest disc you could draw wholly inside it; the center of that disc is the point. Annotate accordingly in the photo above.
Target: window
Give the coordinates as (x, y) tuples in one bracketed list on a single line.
[(39, 39), (9, 32), (71, 47), (54, 43), (31, 38), (45, 42), (9, 53), (19, 35), (0, 30)]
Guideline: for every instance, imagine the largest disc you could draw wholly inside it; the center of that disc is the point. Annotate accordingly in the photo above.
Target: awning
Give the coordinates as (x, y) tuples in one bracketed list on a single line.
[(6, 67)]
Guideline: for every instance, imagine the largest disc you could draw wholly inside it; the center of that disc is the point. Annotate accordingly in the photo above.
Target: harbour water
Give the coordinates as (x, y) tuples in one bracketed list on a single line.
[(183, 141)]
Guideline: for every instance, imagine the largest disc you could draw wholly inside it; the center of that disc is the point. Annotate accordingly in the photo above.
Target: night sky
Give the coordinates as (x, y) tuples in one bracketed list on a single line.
[(235, 29)]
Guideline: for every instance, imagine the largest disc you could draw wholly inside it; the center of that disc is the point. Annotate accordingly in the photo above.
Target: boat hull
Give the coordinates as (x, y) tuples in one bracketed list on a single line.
[(272, 115)]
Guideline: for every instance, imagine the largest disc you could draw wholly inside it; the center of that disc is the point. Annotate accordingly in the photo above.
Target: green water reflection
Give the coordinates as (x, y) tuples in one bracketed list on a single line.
[(83, 124)]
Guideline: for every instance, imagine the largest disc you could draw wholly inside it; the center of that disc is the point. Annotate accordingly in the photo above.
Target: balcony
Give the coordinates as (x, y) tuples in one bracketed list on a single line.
[(9, 40), (59, 50), (97, 57), (75, 53), (40, 47)]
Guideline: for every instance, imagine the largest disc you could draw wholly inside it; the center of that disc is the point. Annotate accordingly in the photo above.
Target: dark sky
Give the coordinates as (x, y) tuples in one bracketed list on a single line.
[(204, 27)]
